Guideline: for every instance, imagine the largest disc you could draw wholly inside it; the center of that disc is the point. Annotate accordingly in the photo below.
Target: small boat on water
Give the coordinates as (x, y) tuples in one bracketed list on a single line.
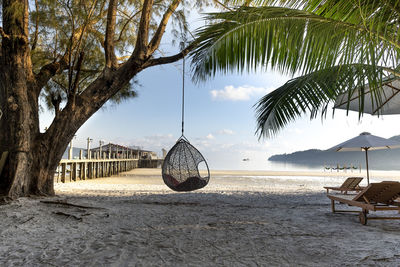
[(247, 159)]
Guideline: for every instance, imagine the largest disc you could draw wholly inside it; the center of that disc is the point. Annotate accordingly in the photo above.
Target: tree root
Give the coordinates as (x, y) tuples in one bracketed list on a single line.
[(4, 200), (30, 218), (68, 215), (69, 204)]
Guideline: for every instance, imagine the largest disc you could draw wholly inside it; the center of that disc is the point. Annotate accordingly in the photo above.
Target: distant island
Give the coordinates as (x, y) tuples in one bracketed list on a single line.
[(387, 159)]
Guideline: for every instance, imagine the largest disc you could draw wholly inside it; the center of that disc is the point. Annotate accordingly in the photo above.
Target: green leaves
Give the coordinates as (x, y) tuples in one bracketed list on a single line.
[(319, 41), (284, 39), (312, 93)]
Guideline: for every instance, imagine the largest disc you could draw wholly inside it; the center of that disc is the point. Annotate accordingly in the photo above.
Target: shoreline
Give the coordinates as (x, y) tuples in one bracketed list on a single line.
[(373, 173), (149, 181)]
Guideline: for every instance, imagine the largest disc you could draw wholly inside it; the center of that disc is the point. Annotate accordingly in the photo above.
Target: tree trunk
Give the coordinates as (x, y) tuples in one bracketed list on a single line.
[(20, 123), (31, 161)]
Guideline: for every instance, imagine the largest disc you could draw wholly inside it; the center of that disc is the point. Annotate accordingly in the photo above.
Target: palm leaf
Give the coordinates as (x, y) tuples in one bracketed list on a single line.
[(288, 40), (312, 93)]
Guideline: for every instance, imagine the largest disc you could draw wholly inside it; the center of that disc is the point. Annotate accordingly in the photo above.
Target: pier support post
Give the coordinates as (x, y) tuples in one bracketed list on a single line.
[(73, 171), (83, 171), (63, 172)]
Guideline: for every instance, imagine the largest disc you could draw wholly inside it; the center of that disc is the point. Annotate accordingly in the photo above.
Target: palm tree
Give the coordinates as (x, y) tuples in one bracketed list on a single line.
[(329, 46)]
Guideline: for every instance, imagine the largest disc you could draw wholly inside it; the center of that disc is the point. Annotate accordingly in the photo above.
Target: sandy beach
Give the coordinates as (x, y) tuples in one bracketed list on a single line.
[(240, 219)]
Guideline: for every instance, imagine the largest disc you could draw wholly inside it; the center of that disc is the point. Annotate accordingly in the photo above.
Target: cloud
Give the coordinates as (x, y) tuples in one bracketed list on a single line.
[(226, 132), (241, 93), (210, 137)]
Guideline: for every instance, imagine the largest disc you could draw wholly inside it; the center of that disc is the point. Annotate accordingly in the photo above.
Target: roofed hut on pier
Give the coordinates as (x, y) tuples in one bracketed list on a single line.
[(118, 151)]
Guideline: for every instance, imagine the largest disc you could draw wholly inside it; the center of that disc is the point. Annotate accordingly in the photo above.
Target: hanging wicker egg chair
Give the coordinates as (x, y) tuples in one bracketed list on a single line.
[(180, 170)]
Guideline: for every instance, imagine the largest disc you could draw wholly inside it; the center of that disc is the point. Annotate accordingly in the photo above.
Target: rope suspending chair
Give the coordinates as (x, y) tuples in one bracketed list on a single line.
[(180, 170)]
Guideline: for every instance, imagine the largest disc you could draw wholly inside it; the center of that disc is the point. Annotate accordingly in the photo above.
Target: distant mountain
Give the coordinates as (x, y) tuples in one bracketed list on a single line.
[(386, 159), (395, 138)]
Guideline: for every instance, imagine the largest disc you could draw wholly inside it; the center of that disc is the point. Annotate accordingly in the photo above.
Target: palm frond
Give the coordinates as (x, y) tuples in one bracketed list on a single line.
[(312, 93), (341, 9), (290, 41), (286, 3)]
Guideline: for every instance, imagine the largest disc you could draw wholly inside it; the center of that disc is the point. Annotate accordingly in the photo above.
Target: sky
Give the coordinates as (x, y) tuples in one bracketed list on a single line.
[(219, 118)]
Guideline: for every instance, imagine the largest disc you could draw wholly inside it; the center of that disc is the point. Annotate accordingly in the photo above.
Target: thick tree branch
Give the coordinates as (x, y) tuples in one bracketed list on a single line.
[(111, 60), (171, 59), (55, 100), (26, 19), (155, 41), (143, 31), (48, 71), (77, 76)]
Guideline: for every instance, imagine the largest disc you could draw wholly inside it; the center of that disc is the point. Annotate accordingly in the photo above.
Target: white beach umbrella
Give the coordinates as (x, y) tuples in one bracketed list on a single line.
[(366, 141), (388, 104)]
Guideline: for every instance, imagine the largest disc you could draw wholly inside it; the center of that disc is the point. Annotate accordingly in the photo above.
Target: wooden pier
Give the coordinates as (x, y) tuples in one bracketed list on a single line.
[(104, 161), (82, 169)]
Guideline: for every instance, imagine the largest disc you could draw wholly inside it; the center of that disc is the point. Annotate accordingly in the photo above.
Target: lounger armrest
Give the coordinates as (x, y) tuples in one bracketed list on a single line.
[(330, 188), (343, 189)]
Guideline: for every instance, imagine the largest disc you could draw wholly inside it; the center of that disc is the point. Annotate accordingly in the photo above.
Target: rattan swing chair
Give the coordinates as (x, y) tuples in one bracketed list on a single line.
[(180, 169)]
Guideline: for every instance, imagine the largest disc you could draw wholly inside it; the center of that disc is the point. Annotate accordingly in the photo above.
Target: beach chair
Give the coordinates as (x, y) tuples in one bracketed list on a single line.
[(375, 197), (351, 184), (3, 160)]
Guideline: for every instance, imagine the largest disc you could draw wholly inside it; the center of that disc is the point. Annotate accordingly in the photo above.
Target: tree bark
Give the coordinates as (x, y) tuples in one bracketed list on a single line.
[(33, 157), (20, 123)]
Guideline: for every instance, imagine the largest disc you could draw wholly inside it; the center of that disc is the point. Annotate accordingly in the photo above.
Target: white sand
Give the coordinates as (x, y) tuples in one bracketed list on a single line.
[(234, 221)]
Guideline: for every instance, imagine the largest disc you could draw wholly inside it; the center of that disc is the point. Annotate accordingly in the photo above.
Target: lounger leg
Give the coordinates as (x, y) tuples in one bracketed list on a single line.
[(363, 217), (333, 205)]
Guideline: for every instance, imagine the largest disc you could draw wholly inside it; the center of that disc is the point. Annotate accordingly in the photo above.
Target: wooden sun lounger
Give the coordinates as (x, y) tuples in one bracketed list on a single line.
[(375, 197), (351, 184), (3, 158)]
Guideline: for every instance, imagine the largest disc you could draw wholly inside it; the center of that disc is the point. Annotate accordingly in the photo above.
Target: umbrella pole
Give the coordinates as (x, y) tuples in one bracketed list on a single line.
[(366, 159)]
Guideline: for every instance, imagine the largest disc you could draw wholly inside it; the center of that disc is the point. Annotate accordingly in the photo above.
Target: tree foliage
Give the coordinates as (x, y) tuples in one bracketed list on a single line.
[(76, 30)]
